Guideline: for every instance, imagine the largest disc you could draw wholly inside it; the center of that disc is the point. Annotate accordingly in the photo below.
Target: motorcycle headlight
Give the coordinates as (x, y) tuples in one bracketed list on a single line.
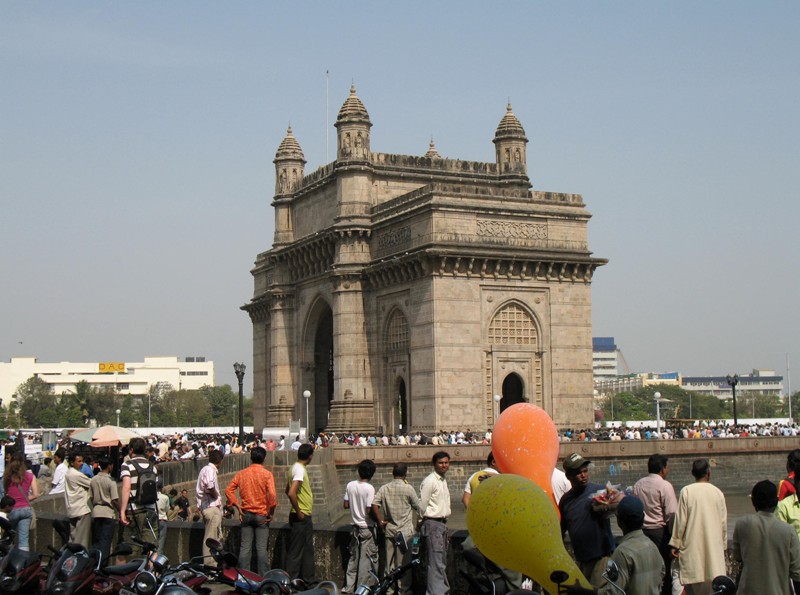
[(9, 584), (145, 583)]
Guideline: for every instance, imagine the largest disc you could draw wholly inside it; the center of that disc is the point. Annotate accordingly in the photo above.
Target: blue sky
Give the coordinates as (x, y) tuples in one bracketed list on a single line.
[(137, 142)]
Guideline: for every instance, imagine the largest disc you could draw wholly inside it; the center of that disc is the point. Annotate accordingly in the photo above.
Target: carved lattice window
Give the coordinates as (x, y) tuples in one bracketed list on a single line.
[(512, 325), (397, 333)]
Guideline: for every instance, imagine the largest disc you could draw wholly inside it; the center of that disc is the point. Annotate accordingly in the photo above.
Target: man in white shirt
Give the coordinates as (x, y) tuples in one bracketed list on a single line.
[(76, 496), (435, 504), (60, 473), (209, 499), (358, 497), (476, 478)]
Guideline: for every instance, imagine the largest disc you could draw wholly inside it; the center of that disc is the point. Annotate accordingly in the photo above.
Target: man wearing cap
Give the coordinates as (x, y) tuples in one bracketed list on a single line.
[(768, 548), (586, 523), (641, 569)]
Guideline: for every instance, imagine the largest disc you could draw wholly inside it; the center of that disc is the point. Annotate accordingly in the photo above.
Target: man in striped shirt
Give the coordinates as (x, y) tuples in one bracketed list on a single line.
[(256, 487)]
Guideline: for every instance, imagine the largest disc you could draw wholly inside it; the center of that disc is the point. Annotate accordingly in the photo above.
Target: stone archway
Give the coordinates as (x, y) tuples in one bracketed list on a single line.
[(317, 375), (402, 408), (513, 391)]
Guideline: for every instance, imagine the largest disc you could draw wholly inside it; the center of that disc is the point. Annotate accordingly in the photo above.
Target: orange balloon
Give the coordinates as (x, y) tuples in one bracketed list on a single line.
[(525, 442)]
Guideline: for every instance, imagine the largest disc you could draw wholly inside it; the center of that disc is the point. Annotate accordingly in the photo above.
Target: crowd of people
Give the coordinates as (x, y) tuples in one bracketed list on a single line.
[(670, 544)]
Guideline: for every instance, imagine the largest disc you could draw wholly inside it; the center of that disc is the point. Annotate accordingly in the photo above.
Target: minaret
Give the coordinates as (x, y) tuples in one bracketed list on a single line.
[(352, 125), (510, 141), (289, 162)]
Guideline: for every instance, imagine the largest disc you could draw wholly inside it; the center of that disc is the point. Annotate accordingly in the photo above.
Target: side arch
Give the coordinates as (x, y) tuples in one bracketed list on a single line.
[(396, 404)]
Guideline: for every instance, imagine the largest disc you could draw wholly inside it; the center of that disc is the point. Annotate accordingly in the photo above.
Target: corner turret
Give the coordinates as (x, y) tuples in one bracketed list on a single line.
[(352, 125), (510, 141)]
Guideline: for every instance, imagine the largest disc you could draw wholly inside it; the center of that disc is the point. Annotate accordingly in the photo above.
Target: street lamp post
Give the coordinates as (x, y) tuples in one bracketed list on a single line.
[(657, 397), (496, 399), (239, 370), (733, 381), (118, 412), (307, 396)]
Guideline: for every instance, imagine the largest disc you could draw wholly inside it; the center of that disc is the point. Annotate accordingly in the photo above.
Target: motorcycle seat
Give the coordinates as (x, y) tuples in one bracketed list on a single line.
[(122, 569)]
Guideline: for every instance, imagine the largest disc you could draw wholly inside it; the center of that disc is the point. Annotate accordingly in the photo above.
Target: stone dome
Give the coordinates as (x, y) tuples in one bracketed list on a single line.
[(432, 152), (290, 148), (509, 127), (353, 110)]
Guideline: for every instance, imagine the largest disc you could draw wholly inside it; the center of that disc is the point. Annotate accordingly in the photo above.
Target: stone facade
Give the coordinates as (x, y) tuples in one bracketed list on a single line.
[(406, 291)]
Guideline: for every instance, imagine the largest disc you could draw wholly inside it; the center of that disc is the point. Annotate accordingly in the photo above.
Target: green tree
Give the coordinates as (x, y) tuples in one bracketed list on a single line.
[(221, 400), (38, 407), (102, 403), (675, 403), (185, 408)]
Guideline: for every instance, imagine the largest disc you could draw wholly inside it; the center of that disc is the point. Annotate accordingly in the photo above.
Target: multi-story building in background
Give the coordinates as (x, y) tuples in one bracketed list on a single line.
[(760, 382), (128, 378), (605, 363)]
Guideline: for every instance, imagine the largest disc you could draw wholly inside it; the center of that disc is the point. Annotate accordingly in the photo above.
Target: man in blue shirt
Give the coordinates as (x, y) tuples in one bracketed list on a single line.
[(585, 521)]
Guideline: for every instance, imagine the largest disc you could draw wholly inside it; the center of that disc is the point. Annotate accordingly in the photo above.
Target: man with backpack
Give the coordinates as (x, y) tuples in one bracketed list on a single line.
[(138, 513)]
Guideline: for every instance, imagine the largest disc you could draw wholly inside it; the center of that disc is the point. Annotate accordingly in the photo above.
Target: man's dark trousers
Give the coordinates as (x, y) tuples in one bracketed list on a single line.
[(300, 553)]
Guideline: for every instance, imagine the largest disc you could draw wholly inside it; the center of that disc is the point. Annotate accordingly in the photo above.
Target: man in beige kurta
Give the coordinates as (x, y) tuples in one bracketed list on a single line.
[(700, 533)]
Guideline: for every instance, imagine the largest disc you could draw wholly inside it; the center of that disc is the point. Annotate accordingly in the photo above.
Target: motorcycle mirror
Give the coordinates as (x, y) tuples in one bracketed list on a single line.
[(559, 576), (723, 585), (612, 570), (400, 542), (213, 544)]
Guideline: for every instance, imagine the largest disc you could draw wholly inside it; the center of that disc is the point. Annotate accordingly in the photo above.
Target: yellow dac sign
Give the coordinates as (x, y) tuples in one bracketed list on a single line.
[(111, 367)]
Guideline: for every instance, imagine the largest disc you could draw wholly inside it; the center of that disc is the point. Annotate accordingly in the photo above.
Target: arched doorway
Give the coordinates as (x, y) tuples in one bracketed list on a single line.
[(513, 392), (402, 406), (322, 391)]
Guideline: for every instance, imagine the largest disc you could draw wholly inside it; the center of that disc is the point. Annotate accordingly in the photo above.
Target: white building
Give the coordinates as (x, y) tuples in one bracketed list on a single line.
[(129, 378), (760, 382)]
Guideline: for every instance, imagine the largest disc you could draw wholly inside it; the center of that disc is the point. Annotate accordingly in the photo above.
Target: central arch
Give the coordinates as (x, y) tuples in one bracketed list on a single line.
[(317, 373), (513, 391)]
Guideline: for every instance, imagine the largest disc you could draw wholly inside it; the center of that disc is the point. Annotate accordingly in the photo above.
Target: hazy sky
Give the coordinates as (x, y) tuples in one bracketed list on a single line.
[(137, 138)]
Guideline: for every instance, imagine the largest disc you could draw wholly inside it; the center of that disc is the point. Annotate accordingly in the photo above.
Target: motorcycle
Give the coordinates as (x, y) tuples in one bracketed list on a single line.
[(77, 570), (246, 582), (383, 585), (20, 571), (159, 579)]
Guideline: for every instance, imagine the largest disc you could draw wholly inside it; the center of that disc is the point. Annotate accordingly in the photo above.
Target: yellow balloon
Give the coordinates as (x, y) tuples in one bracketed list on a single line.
[(513, 523)]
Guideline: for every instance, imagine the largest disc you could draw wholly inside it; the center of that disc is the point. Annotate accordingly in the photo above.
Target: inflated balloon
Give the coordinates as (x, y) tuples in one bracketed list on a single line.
[(514, 524), (525, 442)]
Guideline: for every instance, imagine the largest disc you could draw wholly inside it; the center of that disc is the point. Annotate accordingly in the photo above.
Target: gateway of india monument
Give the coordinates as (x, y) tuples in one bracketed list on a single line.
[(405, 292)]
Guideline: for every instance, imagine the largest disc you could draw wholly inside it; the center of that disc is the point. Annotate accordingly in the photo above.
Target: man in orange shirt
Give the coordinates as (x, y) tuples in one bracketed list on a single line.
[(256, 487)]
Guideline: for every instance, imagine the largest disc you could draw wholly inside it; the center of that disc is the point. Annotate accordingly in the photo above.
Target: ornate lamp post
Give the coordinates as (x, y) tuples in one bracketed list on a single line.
[(496, 399), (118, 412), (659, 400), (733, 381), (307, 396), (239, 370)]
